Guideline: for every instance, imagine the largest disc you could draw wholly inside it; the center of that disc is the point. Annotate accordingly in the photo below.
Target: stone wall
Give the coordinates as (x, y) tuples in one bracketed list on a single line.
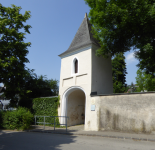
[(127, 112)]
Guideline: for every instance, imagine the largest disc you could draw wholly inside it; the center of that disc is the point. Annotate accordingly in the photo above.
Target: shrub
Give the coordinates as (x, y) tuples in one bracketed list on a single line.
[(18, 119), (46, 107), (1, 114)]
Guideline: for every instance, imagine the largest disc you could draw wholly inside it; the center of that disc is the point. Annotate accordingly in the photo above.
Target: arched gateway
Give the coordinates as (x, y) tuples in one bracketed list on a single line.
[(83, 74), (73, 105)]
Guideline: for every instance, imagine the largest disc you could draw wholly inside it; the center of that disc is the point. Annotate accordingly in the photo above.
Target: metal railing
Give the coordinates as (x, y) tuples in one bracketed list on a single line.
[(51, 123)]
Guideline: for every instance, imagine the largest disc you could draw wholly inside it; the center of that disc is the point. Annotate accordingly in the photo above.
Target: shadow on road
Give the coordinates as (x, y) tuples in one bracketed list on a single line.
[(71, 129), (10, 140)]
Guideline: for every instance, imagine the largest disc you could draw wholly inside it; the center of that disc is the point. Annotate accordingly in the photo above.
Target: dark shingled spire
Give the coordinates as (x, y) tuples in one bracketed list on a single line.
[(83, 37)]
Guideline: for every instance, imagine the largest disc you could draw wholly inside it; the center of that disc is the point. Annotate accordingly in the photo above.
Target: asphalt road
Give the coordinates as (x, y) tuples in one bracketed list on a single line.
[(47, 141)]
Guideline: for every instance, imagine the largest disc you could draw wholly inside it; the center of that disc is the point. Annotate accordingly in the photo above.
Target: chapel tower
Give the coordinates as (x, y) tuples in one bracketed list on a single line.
[(82, 75)]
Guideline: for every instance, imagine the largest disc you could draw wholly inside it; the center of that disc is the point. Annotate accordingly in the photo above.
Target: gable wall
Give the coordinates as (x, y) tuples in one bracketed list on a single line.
[(82, 79)]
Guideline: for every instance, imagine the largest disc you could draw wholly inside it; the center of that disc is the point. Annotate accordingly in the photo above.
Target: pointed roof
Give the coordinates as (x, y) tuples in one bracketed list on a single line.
[(83, 37)]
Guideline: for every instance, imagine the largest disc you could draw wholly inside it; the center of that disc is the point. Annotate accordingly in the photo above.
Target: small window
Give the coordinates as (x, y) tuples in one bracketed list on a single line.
[(76, 66)]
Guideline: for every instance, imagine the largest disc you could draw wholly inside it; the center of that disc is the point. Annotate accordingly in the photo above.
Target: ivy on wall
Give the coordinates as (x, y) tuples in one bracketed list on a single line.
[(46, 107)]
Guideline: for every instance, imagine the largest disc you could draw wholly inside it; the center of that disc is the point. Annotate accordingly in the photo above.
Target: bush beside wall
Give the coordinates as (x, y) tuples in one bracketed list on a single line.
[(46, 107), (1, 115), (19, 119)]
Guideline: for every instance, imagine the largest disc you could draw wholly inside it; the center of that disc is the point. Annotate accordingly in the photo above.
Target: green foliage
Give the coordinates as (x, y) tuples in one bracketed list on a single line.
[(1, 119), (13, 49), (35, 86), (18, 119), (46, 107), (118, 87), (54, 86), (119, 73), (145, 81), (122, 24), (146, 57)]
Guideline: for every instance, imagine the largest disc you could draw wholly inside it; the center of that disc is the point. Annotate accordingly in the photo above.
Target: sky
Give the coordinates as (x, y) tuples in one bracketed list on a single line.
[(54, 25)]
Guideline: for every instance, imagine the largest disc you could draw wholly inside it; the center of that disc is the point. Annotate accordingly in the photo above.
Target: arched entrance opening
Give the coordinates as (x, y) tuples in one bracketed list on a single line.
[(73, 106)]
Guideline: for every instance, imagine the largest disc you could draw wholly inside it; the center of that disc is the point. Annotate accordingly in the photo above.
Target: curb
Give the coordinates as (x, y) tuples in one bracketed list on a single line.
[(105, 136)]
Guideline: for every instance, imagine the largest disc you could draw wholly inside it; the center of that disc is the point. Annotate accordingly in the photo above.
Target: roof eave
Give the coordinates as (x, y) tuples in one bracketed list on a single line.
[(75, 50)]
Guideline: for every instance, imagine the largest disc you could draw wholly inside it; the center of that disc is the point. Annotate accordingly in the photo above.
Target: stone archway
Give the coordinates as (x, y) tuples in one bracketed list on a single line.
[(73, 106)]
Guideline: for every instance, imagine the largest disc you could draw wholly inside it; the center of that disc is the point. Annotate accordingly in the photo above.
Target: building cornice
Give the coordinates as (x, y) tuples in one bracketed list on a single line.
[(76, 51)]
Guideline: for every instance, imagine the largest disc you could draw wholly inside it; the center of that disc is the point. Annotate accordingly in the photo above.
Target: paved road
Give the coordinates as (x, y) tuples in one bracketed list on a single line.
[(47, 141)]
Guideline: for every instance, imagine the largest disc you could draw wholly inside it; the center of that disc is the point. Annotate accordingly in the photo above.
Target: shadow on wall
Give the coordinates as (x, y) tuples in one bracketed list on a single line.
[(119, 122), (76, 108)]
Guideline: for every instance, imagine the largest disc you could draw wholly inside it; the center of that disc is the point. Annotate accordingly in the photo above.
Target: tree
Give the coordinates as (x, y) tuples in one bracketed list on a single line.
[(122, 24), (53, 84), (119, 73), (145, 81), (146, 57), (13, 49), (36, 86)]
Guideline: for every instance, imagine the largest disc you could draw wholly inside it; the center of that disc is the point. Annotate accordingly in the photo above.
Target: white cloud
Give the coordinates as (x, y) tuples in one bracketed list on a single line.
[(130, 58)]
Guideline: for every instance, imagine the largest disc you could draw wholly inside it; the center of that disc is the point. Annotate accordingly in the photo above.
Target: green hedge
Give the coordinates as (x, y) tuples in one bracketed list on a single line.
[(17, 119), (1, 119), (46, 107)]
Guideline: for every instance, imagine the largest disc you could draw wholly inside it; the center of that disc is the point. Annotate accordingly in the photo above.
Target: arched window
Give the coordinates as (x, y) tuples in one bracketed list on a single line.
[(76, 66)]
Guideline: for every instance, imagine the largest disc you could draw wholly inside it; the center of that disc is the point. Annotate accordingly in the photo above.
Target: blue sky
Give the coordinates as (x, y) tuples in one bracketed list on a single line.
[(54, 24)]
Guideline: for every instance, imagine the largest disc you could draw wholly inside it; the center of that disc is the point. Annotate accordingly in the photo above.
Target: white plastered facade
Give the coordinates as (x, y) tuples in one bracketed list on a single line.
[(94, 75)]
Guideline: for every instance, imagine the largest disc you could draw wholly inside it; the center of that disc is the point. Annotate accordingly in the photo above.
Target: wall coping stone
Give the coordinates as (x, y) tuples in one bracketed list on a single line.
[(114, 94)]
